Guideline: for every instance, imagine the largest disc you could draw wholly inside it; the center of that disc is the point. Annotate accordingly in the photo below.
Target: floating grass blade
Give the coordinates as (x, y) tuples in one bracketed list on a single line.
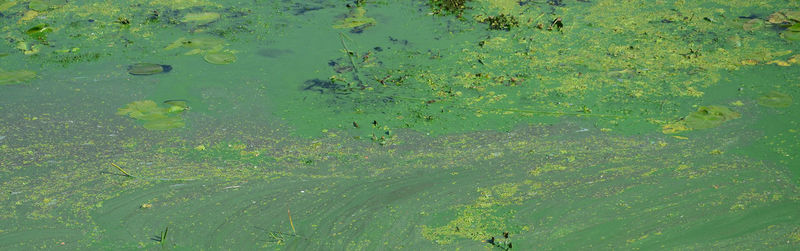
[(164, 236), (290, 221), (121, 170)]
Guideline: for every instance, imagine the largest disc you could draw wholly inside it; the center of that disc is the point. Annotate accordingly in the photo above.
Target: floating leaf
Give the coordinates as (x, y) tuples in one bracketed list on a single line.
[(177, 105), (710, 116), (153, 116), (775, 100), (198, 44), (38, 5), (39, 31), (145, 110), (148, 69), (220, 57), (777, 18), (753, 24), (795, 27), (14, 77), (200, 18), (6, 5), (792, 15), (791, 35)]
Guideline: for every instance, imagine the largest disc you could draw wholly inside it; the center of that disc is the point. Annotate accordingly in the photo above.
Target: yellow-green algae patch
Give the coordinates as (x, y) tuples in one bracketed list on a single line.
[(15, 77)]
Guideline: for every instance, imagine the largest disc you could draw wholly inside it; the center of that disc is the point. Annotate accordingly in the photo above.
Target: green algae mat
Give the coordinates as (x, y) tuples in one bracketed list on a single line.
[(409, 125)]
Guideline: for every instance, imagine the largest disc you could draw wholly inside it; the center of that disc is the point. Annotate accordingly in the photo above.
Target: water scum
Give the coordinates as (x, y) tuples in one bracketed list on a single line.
[(395, 125)]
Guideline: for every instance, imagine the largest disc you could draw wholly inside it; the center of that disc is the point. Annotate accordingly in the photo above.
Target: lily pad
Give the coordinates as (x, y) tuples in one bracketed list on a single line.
[(153, 116), (177, 105), (38, 5), (710, 116), (777, 18), (148, 69), (794, 27), (793, 15), (143, 110), (39, 31), (791, 35), (198, 44), (775, 100), (220, 57), (15, 77), (753, 24), (201, 18)]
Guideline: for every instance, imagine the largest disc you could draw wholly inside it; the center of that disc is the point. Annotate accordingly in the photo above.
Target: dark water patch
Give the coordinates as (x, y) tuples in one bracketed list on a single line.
[(274, 53)]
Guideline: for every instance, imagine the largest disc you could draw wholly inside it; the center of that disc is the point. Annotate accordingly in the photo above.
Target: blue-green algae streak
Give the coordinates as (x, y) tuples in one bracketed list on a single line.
[(409, 125)]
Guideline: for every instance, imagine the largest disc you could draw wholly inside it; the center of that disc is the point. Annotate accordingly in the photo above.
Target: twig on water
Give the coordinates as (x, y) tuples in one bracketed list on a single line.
[(289, 210), (121, 170)]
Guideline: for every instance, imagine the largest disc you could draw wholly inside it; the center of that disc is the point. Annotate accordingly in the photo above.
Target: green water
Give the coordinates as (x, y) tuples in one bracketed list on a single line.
[(380, 125)]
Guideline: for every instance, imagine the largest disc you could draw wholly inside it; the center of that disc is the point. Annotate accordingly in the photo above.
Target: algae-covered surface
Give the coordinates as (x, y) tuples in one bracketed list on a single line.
[(412, 125)]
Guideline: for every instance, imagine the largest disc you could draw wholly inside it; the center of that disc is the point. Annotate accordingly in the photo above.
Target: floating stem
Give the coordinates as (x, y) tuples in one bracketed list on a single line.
[(164, 236), (121, 170), (288, 210), (348, 51)]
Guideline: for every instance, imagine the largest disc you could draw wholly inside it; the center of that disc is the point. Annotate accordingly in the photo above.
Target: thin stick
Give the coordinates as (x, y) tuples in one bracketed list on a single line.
[(121, 170), (290, 221), (350, 56)]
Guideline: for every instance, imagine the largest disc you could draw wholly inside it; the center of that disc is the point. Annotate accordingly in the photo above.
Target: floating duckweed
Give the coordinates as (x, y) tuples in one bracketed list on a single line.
[(775, 100), (14, 77), (710, 116), (148, 69), (220, 58), (200, 18)]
